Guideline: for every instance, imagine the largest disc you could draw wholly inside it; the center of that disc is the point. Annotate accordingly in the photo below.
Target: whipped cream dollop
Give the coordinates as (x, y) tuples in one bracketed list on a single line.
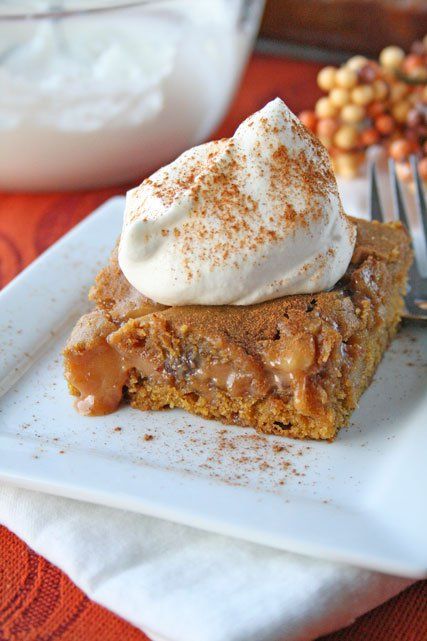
[(239, 221)]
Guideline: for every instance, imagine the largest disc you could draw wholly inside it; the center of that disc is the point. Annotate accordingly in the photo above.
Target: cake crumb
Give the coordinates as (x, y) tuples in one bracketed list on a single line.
[(278, 448)]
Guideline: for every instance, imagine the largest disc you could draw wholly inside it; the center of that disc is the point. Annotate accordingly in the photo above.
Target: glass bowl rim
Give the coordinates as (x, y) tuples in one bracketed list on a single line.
[(53, 13)]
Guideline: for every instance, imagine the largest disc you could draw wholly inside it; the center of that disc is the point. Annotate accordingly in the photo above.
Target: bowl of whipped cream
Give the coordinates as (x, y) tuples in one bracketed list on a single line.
[(100, 92)]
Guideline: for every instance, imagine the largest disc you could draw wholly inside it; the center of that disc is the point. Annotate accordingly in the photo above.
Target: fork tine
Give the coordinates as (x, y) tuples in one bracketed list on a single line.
[(419, 198), (416, 296), (375, 208), (418, 243), (397, 198)]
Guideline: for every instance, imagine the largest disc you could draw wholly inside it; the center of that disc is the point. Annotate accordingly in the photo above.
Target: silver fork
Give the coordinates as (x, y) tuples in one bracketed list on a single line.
[(416, 296)]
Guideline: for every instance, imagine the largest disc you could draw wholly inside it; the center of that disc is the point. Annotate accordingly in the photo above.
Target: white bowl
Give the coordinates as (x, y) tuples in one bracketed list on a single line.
[(101, 93)]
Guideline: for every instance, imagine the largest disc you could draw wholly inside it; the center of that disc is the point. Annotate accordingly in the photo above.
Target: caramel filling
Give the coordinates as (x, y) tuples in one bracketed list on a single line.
[(99, 374)]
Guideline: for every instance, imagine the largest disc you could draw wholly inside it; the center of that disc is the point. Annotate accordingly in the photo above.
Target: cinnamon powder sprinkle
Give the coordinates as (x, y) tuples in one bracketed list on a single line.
[(226, 223)]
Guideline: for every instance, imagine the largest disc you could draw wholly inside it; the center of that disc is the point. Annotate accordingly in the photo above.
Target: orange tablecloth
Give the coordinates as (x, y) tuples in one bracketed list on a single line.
[(37, 601)]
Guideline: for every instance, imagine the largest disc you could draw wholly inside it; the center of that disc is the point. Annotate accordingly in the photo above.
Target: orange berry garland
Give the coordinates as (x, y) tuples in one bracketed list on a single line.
[(400, 149), (374, 103), (308, 118), (385, 124), (369, 137), (422, 168)]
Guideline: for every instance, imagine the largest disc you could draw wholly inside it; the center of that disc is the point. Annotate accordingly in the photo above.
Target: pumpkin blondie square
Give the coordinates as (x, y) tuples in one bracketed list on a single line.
[(295, 366)]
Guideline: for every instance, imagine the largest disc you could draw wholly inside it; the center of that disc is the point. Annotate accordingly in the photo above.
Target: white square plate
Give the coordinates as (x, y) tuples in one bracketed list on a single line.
[(360, 499)]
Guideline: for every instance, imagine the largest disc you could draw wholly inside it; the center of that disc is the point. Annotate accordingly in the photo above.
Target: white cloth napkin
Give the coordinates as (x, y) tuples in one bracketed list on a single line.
[(180, 584)]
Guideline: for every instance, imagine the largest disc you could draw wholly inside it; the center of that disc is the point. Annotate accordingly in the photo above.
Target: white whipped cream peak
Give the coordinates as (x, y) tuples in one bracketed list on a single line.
[(239, 221)]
